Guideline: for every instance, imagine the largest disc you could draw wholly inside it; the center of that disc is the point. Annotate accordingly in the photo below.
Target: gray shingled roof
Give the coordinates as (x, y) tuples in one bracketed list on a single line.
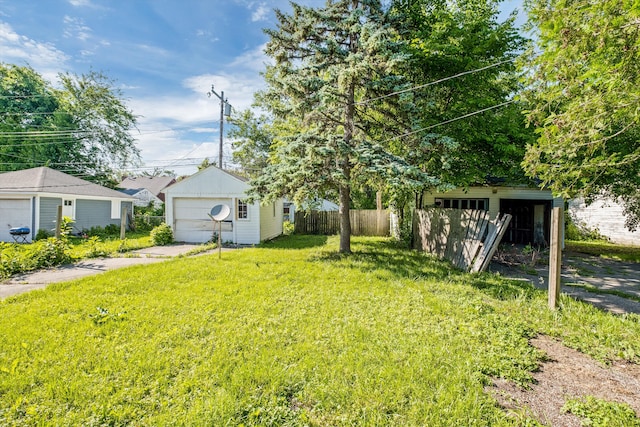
[(155, 184), (47, 180)]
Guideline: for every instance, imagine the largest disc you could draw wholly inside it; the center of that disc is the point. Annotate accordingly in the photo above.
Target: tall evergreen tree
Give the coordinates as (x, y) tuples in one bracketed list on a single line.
[(327, 61)]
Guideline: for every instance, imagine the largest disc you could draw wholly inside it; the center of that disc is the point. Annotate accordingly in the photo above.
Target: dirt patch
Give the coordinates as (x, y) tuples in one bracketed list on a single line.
[(568, 374)]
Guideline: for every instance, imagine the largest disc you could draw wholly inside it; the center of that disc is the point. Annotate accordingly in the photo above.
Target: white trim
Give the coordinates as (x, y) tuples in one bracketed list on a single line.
[(116, 208), (238, 201)]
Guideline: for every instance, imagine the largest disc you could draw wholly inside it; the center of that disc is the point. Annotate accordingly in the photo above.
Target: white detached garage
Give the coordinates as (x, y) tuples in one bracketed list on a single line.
[(188, 203)]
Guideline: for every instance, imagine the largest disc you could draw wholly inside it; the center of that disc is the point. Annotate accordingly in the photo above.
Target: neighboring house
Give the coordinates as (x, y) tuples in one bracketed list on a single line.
[(289, 208), (30, 198), (530, 208), (189, 202), (605, 215), (143, 197), (146, 189)]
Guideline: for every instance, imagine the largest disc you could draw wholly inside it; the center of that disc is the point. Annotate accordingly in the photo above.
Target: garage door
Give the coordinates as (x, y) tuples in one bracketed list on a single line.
[(192, 223), (14, 213)]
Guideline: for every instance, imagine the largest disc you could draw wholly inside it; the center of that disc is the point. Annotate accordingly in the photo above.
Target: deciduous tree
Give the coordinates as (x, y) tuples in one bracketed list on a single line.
[(82, 128), (468, 54), (583, 77)]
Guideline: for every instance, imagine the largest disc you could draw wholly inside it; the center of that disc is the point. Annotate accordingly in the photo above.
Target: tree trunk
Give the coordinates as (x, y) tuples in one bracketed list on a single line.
[(345, 219), (345, 163)]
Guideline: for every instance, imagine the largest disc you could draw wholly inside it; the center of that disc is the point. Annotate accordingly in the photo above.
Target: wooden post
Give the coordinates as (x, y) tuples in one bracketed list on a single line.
[(123, 223), (219, 239), (379, 213), (555, 257), (59, 222)]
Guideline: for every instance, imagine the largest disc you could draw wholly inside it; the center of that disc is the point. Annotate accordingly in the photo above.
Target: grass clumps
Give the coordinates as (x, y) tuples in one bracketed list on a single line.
[(600, 413), (288, 333), (605, 250)]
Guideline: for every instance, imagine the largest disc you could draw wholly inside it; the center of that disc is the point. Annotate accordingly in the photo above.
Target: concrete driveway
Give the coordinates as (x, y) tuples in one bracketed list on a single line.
[(41, 278), (615, 284)]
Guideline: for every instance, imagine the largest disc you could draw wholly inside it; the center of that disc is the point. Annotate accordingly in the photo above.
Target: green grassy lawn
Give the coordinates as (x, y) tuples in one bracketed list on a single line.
[(605, 250), (91, 248), (286, 334)]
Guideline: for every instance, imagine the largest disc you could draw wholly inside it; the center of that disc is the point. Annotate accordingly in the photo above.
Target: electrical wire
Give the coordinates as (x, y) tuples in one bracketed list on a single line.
[(452, 120), (464, 73)]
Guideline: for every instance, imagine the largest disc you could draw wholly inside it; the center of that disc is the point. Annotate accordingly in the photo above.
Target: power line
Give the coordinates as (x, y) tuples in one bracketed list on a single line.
[(45, 133), (464, 73), (452, 120)]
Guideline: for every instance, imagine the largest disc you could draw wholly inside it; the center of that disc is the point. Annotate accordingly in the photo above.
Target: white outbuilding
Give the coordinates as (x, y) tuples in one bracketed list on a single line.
[(188, 203)]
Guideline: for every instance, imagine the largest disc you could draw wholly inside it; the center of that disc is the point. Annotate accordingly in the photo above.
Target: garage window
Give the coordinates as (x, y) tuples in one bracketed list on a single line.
[(479, 204), (242, 210)]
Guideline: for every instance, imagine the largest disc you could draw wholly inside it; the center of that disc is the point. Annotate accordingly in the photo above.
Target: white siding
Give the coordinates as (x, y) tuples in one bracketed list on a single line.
[(271, 220), (144, 197), (200, 192), (192, 223), (607, 216), (207, 182), (248, 230), (14, 213)]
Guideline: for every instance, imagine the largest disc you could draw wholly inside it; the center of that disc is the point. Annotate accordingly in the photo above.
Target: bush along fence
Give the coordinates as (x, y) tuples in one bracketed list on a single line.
[(467, 238), (363, 222)]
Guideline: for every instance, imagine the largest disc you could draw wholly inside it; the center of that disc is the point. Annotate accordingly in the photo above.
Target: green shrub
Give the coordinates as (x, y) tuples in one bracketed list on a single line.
[(16, 258), (162, 235), (146, 221), (52, 252), (110, 230), (579, 231), (287, 228), (43, 234)]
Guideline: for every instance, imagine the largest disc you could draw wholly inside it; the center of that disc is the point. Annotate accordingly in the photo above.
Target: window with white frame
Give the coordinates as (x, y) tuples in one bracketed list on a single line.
[(242, 209)]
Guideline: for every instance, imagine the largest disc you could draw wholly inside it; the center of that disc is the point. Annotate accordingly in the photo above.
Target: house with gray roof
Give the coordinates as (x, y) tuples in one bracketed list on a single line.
[(146, 189), (30, 198)]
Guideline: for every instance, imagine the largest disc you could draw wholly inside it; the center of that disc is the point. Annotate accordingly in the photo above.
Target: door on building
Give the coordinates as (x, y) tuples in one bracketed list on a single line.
[(530, 222)]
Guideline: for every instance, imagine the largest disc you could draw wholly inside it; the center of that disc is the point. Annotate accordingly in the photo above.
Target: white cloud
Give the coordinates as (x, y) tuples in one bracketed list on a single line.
[(80, 3), (75, 28), (253, 60), (206, 35), (260, 13), (17, 49), (153, 50), (172, 150), (186, 124)]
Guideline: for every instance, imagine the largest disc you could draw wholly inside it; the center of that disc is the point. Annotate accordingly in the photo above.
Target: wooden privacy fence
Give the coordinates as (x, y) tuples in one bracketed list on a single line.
[(363, 222), (467, 238)]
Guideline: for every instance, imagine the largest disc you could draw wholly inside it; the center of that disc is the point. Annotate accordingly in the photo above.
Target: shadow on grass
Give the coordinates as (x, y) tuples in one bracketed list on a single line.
[(379, 254), (295, 241), (383, 254)]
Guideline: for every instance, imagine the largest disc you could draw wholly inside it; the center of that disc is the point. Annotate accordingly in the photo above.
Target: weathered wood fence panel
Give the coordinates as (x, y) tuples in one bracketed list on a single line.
[(467, 238), (363, 222)]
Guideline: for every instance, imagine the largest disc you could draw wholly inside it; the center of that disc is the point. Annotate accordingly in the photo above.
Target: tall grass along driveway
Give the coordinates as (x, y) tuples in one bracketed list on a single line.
[(287, 334)]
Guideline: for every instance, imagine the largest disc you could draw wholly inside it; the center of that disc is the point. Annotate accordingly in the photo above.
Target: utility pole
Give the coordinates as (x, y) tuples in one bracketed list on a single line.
[(225, 110)]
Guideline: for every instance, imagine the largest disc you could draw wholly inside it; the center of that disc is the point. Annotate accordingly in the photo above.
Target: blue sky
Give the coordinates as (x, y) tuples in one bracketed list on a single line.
[(164, 55)]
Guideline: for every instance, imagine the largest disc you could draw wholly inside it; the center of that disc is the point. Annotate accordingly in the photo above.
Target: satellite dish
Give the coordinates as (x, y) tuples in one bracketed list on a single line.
[(220, 212)]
